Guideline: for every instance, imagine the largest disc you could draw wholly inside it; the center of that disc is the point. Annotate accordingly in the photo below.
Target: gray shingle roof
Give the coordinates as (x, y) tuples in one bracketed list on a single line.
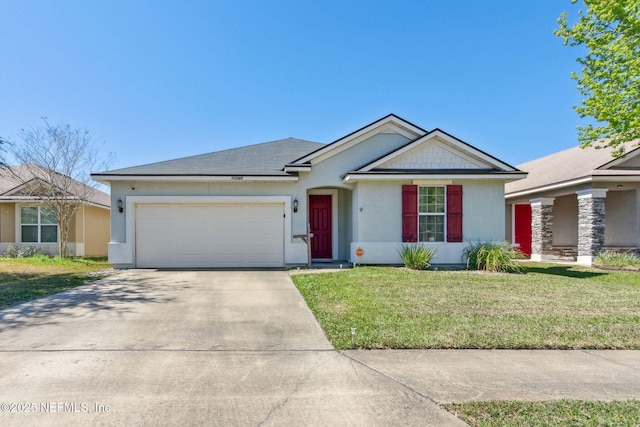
[(13, 178), (267, 159), (567, 165)]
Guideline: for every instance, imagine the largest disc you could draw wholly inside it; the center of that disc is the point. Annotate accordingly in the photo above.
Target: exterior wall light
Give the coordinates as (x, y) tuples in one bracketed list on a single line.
[(120, 205), (295, 205)]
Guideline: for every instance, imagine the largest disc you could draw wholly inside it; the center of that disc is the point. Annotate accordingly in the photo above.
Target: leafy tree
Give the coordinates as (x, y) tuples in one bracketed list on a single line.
[(54, 163), (610, 79)]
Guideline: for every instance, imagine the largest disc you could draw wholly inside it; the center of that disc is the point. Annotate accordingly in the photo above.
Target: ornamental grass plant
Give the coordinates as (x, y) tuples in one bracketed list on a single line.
[(416, 257), (498, 257)]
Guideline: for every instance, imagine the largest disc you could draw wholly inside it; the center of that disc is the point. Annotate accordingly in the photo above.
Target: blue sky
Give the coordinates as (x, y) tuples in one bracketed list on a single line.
[(160, 80)]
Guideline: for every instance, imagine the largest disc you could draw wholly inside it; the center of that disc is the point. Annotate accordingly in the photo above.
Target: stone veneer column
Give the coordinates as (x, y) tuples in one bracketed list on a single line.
[(591, 223), (541, 227)]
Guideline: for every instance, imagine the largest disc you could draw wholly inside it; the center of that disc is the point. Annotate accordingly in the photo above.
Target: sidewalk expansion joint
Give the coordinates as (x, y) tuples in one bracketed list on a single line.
[(397, 381)]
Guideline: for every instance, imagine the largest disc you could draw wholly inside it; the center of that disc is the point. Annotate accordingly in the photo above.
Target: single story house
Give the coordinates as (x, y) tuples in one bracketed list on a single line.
[(25, 222), (361, 197), (576, 203)]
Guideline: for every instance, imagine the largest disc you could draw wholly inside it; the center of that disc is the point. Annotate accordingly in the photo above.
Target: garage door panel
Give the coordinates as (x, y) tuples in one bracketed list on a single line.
[(247, 235)]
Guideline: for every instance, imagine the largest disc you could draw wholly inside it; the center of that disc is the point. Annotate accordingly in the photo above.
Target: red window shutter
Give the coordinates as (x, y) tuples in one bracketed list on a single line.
[(454, 213), (409, 213)]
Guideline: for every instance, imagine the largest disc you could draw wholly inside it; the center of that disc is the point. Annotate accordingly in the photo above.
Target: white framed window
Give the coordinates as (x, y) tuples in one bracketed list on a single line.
[(37, 225), (431, 214)]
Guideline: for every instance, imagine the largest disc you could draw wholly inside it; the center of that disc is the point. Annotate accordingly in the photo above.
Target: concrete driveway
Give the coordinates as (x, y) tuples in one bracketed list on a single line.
[(189, 348)]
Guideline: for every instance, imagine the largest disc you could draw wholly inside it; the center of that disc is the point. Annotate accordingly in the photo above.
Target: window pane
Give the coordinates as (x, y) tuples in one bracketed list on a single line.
[(431, 199), (30, 234), (49, 234), (431, 228), (46, 217), (28, 215)]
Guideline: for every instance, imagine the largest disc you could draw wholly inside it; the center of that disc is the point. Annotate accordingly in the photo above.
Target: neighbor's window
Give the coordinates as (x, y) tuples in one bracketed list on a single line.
[(431, 212), (38, 225)]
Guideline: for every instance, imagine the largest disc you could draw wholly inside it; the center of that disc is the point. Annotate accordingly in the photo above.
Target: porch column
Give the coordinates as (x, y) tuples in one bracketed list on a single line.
[(591, 223), (541, 227)]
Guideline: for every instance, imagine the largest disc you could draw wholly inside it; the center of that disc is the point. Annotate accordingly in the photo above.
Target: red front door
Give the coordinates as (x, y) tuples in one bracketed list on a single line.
[(522, 219), (320, 224)]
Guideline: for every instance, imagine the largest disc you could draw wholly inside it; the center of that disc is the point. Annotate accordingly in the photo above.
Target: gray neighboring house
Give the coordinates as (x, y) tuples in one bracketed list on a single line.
[(576, 203), (362, 197)]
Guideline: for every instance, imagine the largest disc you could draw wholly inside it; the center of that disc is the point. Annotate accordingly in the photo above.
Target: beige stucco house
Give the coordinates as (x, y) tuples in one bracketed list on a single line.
[(362, 197), (24, 222), (576, 203)]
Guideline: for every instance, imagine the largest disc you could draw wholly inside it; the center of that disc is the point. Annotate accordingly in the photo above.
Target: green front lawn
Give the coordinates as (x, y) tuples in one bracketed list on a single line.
[(550, 413), (549, 307), (25, 279)]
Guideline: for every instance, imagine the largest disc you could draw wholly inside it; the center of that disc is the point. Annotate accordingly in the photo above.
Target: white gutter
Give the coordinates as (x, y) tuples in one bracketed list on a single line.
[(105, 179), (397, 177)]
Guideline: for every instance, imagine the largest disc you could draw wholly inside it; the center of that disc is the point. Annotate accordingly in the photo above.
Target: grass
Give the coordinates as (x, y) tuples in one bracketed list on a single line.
[(25, 279), (549, 307), (617, 259), (548, 413)]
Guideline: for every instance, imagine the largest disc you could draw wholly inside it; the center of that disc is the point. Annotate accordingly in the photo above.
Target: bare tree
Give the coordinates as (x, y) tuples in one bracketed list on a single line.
[(53, 166)]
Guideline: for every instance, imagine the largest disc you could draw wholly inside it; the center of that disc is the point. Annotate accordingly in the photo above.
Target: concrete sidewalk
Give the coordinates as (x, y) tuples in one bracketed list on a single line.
[(445, 376)]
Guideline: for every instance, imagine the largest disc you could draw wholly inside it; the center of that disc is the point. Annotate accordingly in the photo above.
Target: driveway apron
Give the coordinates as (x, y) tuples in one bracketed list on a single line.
[(147, 347)]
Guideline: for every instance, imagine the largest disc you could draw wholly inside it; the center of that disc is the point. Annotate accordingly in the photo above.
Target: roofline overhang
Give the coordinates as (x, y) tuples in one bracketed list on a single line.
[(106, 179), (394, 176), (297, 168), (566, 184), (29, 199)]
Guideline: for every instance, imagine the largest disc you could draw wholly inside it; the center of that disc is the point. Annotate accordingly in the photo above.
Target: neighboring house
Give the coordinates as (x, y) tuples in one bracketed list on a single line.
[(576, 203), (25, 222), (362, 196)]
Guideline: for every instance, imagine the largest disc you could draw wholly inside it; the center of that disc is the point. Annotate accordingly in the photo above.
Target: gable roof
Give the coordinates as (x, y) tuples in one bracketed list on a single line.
[(477, 159), (570, 167), (266, 159), (439, 153), (390, 122), (14, 180)]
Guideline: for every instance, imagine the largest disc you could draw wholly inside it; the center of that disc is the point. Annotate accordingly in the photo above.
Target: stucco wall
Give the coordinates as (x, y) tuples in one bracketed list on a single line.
[(96, 231), (565, 221), (378, 226), (621, 219), (7, 222)]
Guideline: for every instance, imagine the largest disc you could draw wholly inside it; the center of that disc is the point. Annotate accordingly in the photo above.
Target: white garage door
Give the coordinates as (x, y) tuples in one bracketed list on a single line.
[(209, 235)]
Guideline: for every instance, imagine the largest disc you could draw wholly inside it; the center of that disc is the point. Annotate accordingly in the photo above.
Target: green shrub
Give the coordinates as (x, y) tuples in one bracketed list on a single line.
[(493, 256), (20, 252), (617, 259), (416, 257)]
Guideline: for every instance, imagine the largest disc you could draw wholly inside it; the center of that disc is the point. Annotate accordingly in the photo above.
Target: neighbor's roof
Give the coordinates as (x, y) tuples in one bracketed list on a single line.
[(571, 165), (265, 159), (15, 178)]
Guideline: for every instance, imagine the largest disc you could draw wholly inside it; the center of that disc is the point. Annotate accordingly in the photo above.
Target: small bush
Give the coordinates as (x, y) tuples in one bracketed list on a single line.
[(493, 256), (617, 259), (20, 252), (416, 257)]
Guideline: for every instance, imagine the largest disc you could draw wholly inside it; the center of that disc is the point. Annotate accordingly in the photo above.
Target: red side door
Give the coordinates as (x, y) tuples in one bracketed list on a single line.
[(320, 224), (522, 219)]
